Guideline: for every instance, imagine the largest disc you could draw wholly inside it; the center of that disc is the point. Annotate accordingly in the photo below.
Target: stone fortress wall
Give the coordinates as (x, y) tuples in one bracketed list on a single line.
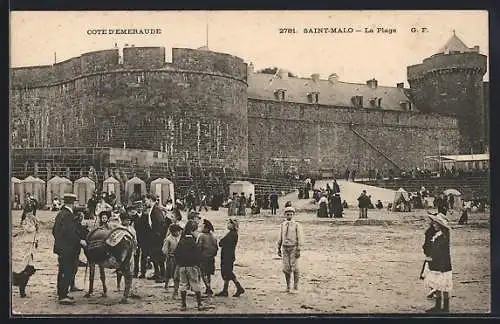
[(196, 110)]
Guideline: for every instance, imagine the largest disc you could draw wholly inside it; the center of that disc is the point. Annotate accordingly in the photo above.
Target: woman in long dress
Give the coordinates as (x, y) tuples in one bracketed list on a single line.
[(323, 206)]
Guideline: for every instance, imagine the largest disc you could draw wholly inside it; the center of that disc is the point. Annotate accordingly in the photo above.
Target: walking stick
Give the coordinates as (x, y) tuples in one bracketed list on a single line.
[(422, 271)]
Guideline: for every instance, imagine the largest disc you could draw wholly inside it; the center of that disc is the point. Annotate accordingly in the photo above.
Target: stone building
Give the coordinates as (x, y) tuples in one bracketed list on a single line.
[(450, 82), (211, 111)]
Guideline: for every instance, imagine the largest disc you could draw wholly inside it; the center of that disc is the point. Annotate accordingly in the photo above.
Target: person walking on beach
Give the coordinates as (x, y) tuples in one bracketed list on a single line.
[(273, 202), (208, 247), (169, 247), (289, 245), (227, 257), (439, 276)]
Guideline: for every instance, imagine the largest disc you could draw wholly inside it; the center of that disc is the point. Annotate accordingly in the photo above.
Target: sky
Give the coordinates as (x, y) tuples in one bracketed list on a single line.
[(255, 37)]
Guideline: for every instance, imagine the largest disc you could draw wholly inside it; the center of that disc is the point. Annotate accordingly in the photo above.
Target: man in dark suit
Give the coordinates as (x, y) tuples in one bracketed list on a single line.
[(335, 187), (67, 242), (140, 257), (273, 202), (153, 225)]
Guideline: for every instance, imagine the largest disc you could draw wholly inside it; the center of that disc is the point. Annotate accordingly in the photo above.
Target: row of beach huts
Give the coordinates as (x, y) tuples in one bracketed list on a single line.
[(83, 188)]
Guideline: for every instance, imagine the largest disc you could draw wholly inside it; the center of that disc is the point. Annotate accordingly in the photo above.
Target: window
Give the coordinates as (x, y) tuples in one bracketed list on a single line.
[(405, 105), (357, 101), (375, 102), (313, 97), (279, 94)]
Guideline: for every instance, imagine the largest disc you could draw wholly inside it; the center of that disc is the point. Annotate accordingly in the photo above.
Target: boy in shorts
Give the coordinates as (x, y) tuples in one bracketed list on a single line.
[(187, 259)]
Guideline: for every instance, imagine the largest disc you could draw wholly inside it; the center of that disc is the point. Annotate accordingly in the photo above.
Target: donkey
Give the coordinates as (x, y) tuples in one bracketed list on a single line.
[(112, 249)]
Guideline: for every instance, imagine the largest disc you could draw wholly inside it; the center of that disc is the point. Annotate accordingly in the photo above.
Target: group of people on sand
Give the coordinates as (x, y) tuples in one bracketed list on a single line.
[(183, 251), (329, 201)]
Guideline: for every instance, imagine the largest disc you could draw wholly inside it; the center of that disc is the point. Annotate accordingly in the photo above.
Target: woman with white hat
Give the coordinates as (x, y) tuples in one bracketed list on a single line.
[(439, 276)]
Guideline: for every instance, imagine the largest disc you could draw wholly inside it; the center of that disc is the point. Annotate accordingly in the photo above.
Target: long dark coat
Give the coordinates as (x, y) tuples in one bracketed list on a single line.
[(67, 234), (153, 235), (337, 207), (439, 251)]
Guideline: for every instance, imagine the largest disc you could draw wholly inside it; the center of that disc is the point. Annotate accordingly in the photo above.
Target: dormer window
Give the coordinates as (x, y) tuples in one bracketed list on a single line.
[(375, 102), (357, 101), (313, 97), (279, 94), (405, 105)]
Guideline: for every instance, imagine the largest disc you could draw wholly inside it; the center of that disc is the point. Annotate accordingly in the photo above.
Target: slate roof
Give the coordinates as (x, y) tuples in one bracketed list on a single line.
[(455, 44), (336, 94)]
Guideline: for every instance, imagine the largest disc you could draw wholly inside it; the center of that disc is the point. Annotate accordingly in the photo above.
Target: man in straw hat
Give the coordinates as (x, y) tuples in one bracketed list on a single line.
[(289, 245), (439, 276), (67, 242)]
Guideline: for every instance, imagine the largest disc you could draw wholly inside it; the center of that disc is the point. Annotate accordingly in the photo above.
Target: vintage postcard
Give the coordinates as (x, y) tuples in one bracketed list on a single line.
[(192, 163)]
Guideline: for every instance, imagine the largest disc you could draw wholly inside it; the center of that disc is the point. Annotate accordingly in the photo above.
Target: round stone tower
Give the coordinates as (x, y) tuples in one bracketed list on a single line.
[(450, 82)]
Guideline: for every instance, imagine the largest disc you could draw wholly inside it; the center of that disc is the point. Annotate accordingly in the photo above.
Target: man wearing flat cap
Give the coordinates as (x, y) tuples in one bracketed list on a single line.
[(67, 242), (289, 246)]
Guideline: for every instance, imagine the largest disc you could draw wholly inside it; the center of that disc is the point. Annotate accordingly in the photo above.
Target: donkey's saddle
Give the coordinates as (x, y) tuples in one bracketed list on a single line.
[(100, 240)]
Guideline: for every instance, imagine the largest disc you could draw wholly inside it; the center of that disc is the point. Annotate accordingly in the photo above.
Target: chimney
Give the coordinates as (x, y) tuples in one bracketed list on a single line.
[(333, 78), (283, 74), (250, 69), (372, 83), (476, 48), (400, 85), (315, 77)]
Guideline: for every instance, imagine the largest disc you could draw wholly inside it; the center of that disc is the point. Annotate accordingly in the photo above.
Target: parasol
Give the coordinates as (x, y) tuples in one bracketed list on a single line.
[(453, 192)]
